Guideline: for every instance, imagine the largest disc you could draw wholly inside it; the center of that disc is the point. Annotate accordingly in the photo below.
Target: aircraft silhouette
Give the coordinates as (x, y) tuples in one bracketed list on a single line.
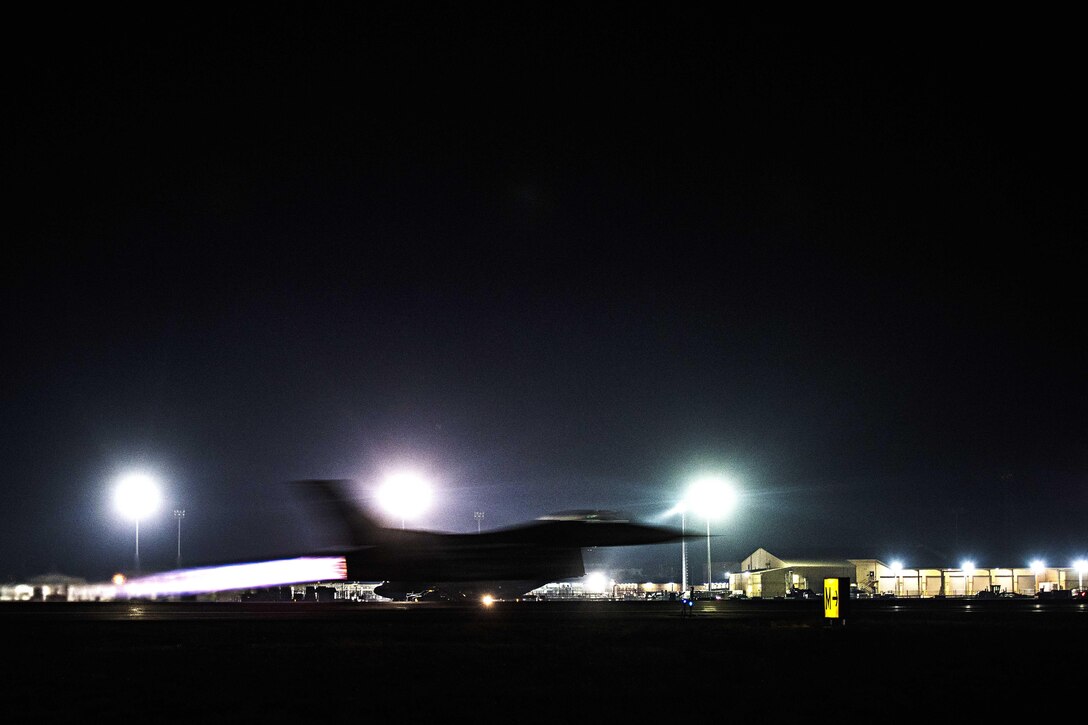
[(502, 563)]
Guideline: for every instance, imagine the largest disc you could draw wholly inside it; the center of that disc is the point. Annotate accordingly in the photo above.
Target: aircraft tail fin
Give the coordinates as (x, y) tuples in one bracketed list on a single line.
[(330, 497)]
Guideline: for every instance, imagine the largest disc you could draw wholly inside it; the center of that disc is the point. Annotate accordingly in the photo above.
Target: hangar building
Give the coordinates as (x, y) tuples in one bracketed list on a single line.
[(765, 575)]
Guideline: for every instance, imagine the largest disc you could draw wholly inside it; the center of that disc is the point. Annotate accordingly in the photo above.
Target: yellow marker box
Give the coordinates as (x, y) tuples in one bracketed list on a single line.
[(836, 597)]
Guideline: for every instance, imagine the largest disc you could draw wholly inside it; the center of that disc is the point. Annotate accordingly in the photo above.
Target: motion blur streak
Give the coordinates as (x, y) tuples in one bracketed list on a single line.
[(237, 576)]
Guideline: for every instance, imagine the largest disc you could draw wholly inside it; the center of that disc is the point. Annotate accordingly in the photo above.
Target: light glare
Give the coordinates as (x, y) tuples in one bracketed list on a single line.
[(405, 494), (137, 496), (596, 583), (710, 497)]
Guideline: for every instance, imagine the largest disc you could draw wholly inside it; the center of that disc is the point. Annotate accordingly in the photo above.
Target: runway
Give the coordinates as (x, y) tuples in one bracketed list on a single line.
[(533, 661), (810, 611)]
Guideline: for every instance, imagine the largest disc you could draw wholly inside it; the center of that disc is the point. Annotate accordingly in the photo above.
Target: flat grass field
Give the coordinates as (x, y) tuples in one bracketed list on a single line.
[(531, 661)]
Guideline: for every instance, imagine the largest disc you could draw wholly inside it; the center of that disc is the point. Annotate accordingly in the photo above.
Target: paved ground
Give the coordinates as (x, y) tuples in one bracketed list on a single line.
[(534, 662)]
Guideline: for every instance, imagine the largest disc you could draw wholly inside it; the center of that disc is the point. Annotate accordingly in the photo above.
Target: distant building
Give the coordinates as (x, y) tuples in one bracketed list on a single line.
[(45, 587), (765, 575)]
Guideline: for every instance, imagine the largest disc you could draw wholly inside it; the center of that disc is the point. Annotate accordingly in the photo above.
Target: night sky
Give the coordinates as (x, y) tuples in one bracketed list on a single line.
[(555, 260)]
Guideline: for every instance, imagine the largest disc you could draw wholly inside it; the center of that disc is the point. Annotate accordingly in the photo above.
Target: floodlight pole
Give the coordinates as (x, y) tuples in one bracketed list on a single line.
[(683, 553), (179, 514), (137, 545), (479, 516), (709, 570)]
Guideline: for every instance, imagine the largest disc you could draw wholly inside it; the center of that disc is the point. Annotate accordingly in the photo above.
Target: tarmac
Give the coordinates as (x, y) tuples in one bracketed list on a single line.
[(535, 661)]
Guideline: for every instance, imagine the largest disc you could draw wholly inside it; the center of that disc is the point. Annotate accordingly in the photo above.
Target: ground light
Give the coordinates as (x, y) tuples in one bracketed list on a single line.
[(1081, 567), (968, 571), (596, 583), (897, 571), (1037, 567)]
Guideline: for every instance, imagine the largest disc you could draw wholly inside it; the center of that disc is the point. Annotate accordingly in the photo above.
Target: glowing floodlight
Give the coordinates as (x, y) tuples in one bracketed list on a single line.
[(897, 572), (710, 497), (137, 496), (968, 573), (405, 494), (1038, 567)]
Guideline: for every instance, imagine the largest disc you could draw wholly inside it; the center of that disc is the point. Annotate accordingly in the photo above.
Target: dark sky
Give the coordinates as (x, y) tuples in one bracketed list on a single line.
[(555, 260)]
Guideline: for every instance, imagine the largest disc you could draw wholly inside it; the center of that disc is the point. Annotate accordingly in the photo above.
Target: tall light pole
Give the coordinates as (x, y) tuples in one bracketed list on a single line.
[(1081, 565), (683, 550), (709, 568), (179, 514), (136, 497), (710, 497), (479, 516)]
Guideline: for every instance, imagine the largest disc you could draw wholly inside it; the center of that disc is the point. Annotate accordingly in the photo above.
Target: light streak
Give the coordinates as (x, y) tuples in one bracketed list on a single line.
[(255, 575)]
